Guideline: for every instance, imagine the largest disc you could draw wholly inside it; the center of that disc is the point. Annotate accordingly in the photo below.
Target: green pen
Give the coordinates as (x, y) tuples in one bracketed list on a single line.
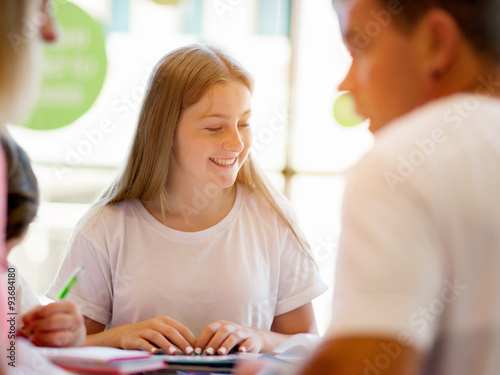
[(70, 283)]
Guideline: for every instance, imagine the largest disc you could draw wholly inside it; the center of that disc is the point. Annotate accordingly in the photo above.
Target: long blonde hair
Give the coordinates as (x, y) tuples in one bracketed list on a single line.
[(179, 80), (17, 58)]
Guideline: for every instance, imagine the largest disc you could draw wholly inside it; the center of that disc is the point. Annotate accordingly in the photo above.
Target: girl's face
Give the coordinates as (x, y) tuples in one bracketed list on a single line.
[(213, 138)]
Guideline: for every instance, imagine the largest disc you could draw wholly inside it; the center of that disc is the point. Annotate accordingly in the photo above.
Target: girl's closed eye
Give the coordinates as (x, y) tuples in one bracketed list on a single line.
[(214, 128), (244, 125)]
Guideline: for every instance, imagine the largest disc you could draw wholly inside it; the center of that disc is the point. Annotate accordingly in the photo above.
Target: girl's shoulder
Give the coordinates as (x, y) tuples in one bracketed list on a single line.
[(253, 199), (262, 207), (105, 217)]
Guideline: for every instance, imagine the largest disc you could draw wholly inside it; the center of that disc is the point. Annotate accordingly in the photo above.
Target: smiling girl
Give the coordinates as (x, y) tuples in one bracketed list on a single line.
[(191, 248)]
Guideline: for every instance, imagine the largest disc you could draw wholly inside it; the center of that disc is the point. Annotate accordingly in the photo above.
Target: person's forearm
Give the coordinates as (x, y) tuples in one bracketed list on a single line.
[(270, 340), (300, 320), (361, 355), (110, 337)]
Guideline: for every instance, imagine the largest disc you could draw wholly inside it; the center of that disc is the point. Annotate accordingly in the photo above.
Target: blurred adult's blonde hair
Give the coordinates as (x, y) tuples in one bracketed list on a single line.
[(18, 42)]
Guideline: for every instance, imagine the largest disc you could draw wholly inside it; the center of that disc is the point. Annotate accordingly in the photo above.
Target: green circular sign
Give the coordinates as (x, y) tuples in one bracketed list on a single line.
[(344, 111), (74, 68)]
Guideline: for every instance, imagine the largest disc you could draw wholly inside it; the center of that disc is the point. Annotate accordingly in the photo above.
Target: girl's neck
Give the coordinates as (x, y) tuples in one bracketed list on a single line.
[(193, 209)]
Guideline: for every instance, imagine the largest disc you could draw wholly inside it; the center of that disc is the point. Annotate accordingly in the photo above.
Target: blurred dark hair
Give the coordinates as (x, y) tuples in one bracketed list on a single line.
[(23, 197), (479, 20)]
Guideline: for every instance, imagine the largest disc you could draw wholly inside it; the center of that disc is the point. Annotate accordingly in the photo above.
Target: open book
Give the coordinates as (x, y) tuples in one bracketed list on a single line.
[(103, 360)]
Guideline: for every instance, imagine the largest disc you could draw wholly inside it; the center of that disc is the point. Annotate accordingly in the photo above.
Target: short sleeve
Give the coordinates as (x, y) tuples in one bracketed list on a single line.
[(299, 280), (93, 293), (389, 267)]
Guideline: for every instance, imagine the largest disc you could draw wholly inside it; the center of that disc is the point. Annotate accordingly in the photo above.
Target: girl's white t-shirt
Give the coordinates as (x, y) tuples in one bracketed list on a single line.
[(248, 268)]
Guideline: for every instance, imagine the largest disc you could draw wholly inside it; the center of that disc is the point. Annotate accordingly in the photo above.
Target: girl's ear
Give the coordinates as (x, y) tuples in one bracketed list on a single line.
[(439, 41)]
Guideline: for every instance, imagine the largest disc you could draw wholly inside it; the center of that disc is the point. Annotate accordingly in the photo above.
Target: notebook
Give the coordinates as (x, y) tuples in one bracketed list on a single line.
[(103, 360)]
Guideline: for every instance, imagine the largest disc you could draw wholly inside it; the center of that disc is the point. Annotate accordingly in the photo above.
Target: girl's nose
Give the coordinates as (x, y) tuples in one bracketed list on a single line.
[(233, 141)]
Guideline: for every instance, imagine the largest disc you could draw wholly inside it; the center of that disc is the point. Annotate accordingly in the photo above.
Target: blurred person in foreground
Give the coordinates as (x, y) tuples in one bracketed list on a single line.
[(417, 281), (23, 24), (56, 324)]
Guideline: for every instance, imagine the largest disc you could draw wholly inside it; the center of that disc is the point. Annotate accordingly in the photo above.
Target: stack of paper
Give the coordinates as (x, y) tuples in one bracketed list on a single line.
[(103, 360)]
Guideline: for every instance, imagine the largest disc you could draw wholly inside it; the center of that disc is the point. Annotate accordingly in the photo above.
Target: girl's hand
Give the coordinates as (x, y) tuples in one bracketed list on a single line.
[(161, 332), (221, 337), (57, 324)]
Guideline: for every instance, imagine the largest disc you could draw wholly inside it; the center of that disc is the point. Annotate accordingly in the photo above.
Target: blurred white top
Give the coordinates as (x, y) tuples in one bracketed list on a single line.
[(420, 244)]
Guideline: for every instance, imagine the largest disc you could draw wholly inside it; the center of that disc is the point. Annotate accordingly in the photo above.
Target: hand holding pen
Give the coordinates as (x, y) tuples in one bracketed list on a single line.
[(56, 324)]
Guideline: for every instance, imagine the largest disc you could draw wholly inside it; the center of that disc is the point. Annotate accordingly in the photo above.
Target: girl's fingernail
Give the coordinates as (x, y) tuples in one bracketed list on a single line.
[(154, 350), (210, 351), (243, 349), (197, 350), (172, 350), (189, 350), (222, 350)]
